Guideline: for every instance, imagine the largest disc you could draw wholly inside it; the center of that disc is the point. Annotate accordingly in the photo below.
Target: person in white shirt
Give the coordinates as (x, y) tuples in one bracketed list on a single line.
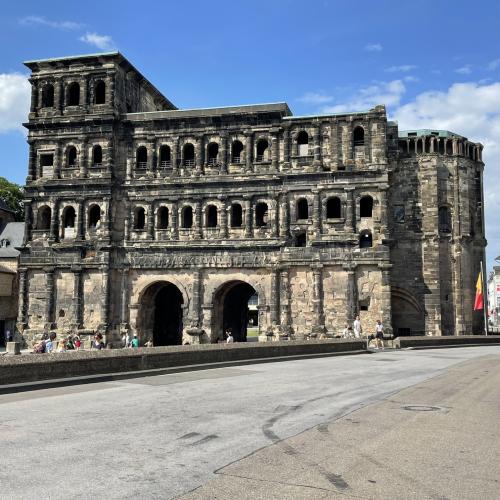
[(357, 328), (230, 338), (379, 335)]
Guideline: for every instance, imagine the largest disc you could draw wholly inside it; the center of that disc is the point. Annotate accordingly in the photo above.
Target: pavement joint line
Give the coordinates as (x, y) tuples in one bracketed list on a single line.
[(117, 376)]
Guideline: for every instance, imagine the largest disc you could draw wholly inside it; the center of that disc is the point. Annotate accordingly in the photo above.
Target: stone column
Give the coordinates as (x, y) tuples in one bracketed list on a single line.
[(31, 162), (223, 218), (284, 224), (197, 292), (368, 141), (22, 315), (105, 301), (275, 149), (80, 224), (351, 293), (334, 144), (350, 143), (274, 297), (28, 219), (50, 295), (151, 222), (223, 153), (109, 155), (284, 303), (249, 151), (54, 223), (58, 160), (319, 316), (84, 159), (61, 96), (174, 218), (286, 146), (384, 230), (126, 222), (317, 145), (78, 297), (124, 310), (130, 164), (198, 219), (151, 158), (199, 155), (83, 94), (248, 218), (385, 298), (316, 213), (175, 157), (350, 213), (34, 95)]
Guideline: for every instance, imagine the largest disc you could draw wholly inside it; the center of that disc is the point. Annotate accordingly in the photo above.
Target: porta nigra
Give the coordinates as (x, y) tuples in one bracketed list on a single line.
[(148, 219)]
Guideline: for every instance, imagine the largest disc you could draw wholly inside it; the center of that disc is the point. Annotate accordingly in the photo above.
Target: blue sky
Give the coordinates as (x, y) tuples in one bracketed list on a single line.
[(433, 63)]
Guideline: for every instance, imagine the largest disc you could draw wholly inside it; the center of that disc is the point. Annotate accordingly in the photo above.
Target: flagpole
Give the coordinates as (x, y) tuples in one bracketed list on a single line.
[(485, 300)]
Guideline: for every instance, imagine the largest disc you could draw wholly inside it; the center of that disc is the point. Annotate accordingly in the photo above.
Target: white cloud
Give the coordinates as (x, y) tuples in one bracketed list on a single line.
[(388, 93), (494, 64), (471, 110), (15, 92), (410, 78), (464, 70), (373, 47), (403, 68), (43, 21), (315, 98), (103, 42)]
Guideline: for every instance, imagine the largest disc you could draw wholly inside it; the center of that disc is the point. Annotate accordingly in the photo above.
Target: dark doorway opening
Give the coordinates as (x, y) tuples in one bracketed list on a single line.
[(167, 328)]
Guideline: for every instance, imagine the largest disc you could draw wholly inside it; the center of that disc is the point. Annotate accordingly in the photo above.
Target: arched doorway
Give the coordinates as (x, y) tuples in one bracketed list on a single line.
[(232, 310), (161, 313), (407, 314)]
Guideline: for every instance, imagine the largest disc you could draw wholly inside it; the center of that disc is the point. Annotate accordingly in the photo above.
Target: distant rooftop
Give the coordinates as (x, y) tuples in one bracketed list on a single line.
[(10, 238), (427, 131), (5, 207)]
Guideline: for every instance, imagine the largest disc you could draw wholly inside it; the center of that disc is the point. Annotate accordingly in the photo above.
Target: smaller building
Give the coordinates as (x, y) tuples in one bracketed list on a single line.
[(11, 237), (494, 296)]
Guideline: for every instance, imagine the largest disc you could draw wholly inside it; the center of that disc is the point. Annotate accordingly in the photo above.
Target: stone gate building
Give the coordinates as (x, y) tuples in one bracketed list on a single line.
[(145, 218)]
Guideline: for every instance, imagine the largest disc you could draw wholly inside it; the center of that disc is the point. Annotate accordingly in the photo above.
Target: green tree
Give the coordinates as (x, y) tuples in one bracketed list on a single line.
[(12, 195)]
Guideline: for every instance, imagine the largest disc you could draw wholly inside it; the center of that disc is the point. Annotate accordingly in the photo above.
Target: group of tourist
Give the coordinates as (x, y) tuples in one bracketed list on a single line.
[(356, 332), (49, 344)]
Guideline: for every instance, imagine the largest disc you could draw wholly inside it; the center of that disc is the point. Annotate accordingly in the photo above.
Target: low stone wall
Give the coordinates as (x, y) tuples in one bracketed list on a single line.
[(34, 367), (448, 340)]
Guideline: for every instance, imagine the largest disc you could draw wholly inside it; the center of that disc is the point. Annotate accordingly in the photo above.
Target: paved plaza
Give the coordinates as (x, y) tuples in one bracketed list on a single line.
[(405, 424)]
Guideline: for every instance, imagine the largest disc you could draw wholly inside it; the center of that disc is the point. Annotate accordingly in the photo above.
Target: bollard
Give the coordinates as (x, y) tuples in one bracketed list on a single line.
[(13, 348)]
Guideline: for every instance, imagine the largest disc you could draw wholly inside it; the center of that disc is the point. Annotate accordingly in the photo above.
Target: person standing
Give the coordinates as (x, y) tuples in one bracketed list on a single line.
[(135, 342), (379, 335), (230, 338), (356, 326)]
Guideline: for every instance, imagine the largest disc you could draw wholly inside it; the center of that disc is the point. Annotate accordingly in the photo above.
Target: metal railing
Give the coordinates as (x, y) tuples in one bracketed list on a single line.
[(189, 163), (142, 164), (236, 159), (97, 165), (212, 161), (165, 164)]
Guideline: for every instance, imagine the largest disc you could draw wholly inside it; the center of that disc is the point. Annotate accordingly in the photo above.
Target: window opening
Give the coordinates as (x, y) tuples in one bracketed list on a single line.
[(187, 218), (211, 216), (261, 215), (236, 150), (333, 208), (302, 209), (163, 218), (236, 215), (366, 206), (140, 218)]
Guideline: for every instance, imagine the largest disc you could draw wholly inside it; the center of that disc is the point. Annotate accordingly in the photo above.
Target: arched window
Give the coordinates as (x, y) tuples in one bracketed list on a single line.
[(97, 156), (366, 206), (212, 153), (302, 209), (43, 218), (444, 220), (162, 218), (301, 239), (365, 239), (69, 216), (141, 157), (262, 150), (359, 136), (100, 92), (211, 216), (73, 94), (165, 158), (187, 218), (95, 216), (303, 143), (449, 147), (236, 149), (236, 215), (188, 155), (71, 156), (333, 208), (48, 96), (261, 214), (139, 218)]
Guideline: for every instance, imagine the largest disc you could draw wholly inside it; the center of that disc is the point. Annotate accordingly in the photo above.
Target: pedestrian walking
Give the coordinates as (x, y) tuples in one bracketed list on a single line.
[(379, 335), (77, 342), (356, 326), (49, 344), (135, 342)]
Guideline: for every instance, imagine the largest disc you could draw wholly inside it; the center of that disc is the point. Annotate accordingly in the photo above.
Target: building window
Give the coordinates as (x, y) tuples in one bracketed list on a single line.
[(165, 158), (236, 149), (97, 156), (302, 209), (333, 208), (141, 157), (71, 157), (188, 155), (95, 216), (47, 164), (212, 153), (301, 239), (100, 92), (365, 239), (303, 143), (187, 218), (140, 218), (236, 215), (444, 220), (211, 216), (366, 206), (262, 150), (261, 214), (48, 96), (359, 136), (74, 94), (163, 218), (43, 218), (69, 216)]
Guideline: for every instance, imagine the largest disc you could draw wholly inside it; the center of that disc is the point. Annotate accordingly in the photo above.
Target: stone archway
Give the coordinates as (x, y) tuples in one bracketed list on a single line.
[(408, 317), (231, 309), (160, 315)]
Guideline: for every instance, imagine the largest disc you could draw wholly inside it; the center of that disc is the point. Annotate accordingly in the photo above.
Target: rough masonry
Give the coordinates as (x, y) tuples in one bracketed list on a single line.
[(148, 219)]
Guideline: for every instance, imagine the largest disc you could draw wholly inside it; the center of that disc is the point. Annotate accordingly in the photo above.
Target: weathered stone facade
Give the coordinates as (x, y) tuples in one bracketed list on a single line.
[(148, 219)]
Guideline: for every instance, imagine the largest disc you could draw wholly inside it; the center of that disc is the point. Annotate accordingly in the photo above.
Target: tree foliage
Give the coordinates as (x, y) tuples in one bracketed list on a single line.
[(12, 195)]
